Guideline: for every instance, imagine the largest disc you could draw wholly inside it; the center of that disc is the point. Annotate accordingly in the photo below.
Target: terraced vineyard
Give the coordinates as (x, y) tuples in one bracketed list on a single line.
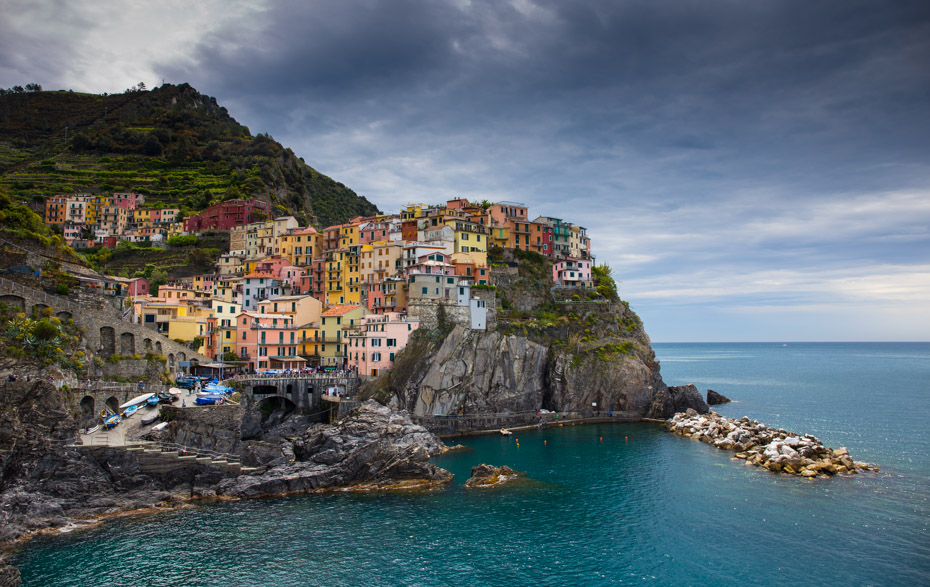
[(174, 145)]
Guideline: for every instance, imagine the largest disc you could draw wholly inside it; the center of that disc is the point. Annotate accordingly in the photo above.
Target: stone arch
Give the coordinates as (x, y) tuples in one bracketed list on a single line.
[(88, 406), (182, 356), (63, 316), (275, 409), (127, 344), (39, 309), (158, 346), (171, 361), (107, 340), (147, 344), (18, 302), (113, 403), (290, 389)]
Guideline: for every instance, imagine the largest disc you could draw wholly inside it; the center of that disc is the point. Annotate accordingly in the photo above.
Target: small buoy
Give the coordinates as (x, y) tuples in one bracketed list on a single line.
[(602, 439), (545, 441), (518, 440), (626, 438)]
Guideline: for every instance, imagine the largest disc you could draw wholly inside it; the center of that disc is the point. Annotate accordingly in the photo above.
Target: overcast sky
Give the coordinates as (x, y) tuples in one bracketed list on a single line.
[(750, 170)]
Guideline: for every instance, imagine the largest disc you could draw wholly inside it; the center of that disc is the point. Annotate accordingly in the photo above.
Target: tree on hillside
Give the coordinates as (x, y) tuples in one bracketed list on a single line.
[(33, 87)]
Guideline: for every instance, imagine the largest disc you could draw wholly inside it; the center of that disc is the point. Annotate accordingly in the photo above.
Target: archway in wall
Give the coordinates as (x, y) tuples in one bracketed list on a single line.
[(12, 301), (88, 412), (158, 346), (147, 344), (127, 344), (182, 356), (107, 340), (171, 361), (40, 309), (63, 316), (275, 410), (113, 403)]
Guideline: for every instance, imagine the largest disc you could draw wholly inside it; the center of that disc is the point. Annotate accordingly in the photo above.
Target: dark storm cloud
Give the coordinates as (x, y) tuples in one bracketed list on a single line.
[(723, 153), (764, 80)]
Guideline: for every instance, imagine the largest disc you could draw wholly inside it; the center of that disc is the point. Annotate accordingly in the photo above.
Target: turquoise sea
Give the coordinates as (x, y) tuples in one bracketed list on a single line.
[(605, 504)]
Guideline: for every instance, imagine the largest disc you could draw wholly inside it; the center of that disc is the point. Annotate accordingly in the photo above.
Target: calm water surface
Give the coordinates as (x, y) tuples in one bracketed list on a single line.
[(611, 504)]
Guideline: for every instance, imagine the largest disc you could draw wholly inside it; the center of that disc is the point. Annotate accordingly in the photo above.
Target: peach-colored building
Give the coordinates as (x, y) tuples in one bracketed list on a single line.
[(373, 346), (267, 341)]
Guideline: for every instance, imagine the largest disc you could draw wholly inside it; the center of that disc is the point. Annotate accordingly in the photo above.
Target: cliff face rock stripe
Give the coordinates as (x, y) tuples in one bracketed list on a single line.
[(481, 373), (475, 373)]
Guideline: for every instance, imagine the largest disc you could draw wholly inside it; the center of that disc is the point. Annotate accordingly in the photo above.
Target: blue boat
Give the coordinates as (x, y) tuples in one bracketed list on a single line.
[(206, 401), (130, 410), (111, 421), (152, 401)]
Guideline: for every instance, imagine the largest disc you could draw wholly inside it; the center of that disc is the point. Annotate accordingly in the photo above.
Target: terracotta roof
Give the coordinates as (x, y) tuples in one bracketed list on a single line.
[(340, 310)]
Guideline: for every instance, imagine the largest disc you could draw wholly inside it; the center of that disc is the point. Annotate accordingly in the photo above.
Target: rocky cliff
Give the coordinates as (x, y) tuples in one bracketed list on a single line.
[(588, 362), (565, 350), (377, 448)]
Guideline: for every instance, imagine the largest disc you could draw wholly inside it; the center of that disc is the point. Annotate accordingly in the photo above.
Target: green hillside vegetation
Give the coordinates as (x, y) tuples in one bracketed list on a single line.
[(173, 144), (19, 226)]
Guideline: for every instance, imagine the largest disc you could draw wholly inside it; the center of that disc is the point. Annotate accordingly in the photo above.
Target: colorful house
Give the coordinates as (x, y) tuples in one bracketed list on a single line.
[(373, 346)]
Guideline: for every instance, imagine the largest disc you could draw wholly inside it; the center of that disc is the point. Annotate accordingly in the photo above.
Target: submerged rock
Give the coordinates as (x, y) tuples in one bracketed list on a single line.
[(714, 398), (774, 449), (378, 448), (484, 476)]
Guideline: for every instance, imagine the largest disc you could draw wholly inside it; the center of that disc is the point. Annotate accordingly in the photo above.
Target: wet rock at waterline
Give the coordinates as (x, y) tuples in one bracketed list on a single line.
[(714, 398)]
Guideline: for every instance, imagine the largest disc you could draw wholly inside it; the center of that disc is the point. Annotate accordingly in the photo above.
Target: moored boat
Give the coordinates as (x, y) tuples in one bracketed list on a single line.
[(110, 422), (92, 429), (149, 419), (152, 401), (206, 401), (130, 410), (167, 398), (158, 427)]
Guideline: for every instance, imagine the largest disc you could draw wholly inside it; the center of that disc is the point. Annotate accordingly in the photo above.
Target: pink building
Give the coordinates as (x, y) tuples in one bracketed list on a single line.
[(127, 201), (572, 272), (267, 341), (373, 346)]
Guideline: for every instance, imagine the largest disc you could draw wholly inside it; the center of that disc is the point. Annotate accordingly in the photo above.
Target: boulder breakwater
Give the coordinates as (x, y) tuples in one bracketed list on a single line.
[(775, 449)]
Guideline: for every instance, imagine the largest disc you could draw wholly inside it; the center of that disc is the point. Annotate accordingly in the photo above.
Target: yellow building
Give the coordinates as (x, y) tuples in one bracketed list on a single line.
[(332, 336), (412, 211), (310, 341), (471, 238), (380, 260), (141, 216), (334, 283), (304, 309), (352, 278), (301, 246)]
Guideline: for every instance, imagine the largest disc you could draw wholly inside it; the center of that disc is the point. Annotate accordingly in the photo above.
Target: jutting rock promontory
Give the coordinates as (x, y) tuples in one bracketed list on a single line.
[(775, 449)]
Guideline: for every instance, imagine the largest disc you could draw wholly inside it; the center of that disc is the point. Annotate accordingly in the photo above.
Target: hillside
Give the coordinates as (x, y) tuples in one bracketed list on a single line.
[(173, 144)]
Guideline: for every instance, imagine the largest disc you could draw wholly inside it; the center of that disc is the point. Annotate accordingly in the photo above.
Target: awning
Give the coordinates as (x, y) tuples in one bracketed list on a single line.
[(289, 359)]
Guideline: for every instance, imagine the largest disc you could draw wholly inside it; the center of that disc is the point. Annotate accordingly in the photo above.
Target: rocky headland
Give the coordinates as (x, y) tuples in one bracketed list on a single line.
[(775, 449), (377, 448), (48, 482)]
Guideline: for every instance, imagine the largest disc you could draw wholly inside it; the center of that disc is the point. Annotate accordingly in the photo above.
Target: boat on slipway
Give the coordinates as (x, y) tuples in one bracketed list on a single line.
[(111, 421)]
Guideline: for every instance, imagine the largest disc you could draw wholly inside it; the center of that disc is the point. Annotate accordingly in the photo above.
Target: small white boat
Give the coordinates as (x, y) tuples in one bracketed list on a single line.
[(139, 399), (177, 391), (92, 430), (158, 427), (505, 432)]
